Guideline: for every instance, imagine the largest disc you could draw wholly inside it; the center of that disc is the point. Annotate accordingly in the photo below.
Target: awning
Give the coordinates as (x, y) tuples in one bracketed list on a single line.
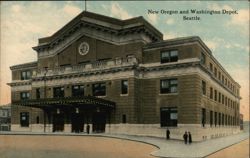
[(84, 101)]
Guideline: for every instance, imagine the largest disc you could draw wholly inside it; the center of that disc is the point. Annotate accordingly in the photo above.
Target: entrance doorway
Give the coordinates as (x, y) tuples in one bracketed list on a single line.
[(99, 122), (77, 122), (58, 122)]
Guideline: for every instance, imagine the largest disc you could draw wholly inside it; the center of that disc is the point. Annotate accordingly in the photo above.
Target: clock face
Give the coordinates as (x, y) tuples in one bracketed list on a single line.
[(83, 48)]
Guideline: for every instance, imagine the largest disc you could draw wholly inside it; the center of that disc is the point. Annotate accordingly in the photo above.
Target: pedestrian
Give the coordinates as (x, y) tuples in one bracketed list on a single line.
[(185, 137), (189, 138), (168, 134), (88, 127)]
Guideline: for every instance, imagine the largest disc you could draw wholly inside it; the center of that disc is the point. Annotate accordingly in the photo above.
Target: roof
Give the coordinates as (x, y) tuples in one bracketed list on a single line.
[(102, 20), (25, 65)]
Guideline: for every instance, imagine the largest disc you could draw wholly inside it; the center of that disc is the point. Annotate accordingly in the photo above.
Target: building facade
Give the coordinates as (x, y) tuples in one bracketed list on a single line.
[(5, 117), (120, 76)]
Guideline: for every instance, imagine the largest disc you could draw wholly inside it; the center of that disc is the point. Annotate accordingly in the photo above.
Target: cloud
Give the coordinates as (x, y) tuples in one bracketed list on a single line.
[(212, 45), (242, 18), (72, 10), (170, 21), (217, 7), (119, 12), (152, 18), (22, 24), (170, 35)]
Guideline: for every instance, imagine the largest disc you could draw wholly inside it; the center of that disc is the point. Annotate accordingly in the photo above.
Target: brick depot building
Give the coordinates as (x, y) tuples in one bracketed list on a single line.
[(120, 76)]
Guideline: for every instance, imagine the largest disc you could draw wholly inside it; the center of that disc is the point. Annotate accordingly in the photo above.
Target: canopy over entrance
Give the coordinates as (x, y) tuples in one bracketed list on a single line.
[(84, 101)]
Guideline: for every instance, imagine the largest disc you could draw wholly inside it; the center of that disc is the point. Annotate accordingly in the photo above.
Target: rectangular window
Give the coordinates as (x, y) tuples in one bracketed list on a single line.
[(169, 86), (219, 75), (99, 89), (24, 95), (169, 116), (215, 95), (24, 119), (38, 93), (204, 87), (222, 79), (203, 117), (77, 90), (219, 97), (215, 118), (211, 118), (169, 56), (58, 92), (215, 72), (211, 93), (211, 67), (222, 119), (226, 120), (124, 87), (219, 119), (124, 118), (203, 58), (222, 99), (25, 75), (226, 101)]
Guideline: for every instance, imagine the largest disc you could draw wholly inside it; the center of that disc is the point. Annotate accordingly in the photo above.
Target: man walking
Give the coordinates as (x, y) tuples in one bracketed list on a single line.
[(168, 134), (189, 138), (185, 137)]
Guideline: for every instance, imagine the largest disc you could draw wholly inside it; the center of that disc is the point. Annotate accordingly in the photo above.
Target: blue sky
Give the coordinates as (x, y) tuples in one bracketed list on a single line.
[(22, 23)]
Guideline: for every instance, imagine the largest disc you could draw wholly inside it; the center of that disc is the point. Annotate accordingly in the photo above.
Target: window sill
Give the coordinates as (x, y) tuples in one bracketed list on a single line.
[(166, 94), (123, 95)]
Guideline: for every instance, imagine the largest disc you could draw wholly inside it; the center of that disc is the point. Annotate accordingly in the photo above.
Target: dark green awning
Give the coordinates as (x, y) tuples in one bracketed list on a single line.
[(67, 101)]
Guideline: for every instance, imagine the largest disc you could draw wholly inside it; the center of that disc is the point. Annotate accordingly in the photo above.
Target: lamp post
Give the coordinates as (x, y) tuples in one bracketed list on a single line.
[(44, 77)]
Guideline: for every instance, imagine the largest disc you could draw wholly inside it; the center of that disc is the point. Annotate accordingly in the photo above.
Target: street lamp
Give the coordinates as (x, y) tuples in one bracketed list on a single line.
[(44, 113)]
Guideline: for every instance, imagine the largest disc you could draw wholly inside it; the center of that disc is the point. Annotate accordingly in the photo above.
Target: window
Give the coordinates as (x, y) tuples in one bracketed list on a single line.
[(25, 75), (211, 67), (77, 90), (211, 118), (169, 86), (38, 93), (169, 116), (204, 88), (222, 122), (219, 75), (58, 92), (222, 99), (219, 97), (225, 119), (124, 118), (203, 58), (24, 119), (226, 101), (215, 95), (37, 120), (25, 95), (222, 79), (203, 117), (124, 87), (99, 89), (215, 118), (215, 72), (169, 56), (219, 119), (211, 93)]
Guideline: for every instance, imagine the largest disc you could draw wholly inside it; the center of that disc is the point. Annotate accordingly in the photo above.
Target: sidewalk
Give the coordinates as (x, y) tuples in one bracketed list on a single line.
[(167, 148)]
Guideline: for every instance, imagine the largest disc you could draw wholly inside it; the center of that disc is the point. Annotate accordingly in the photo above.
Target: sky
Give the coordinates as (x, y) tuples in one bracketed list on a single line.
[(22, 23)]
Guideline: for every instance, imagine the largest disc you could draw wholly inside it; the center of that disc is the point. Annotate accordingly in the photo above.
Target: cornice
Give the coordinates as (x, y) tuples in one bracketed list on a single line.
[(25, 65)]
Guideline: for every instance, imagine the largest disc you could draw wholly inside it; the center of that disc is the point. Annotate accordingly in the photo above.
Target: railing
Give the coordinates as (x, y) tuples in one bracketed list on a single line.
[(98, 65)]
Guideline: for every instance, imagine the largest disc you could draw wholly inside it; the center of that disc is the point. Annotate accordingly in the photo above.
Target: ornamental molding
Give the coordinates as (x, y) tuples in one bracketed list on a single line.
[(118, 38)]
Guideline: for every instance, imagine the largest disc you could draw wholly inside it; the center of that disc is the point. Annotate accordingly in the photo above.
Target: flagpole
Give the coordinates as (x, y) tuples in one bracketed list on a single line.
[(85, 5)]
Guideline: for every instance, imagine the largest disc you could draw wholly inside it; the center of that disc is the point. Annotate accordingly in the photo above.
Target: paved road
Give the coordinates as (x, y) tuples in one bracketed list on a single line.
[(240, 150), (35, 146)]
